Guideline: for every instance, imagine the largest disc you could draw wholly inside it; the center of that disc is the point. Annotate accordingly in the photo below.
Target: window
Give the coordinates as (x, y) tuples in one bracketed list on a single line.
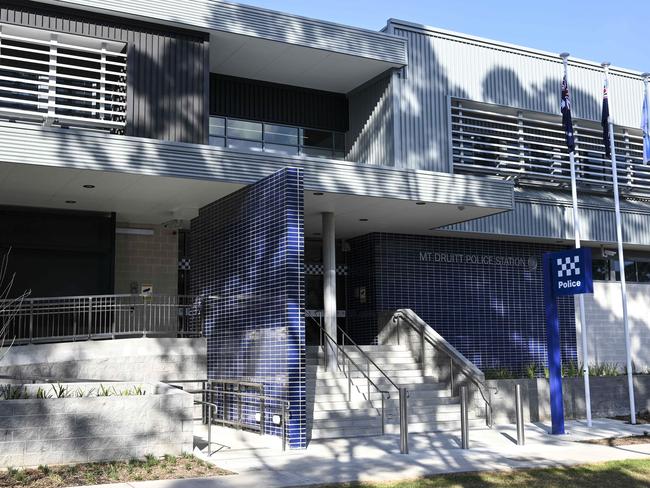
[(600, 269), (246, 135), (637, 270)]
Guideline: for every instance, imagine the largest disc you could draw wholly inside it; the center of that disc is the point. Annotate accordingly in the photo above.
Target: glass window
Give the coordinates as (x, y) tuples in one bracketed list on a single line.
[(643, 271), (280, 149), (319, 153), (317, 138), (217, 141), (281, 134), (244, 145), (630, 271), (217, 126), (242, 129), (600, 269)]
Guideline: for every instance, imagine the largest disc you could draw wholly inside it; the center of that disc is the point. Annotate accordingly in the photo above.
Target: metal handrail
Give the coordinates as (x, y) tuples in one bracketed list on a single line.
[(483, 389), (74, 318), (402, 392)]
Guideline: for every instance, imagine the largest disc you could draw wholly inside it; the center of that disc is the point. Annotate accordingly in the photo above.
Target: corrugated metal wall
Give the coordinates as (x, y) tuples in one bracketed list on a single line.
[(272, 102), (553, 219), (258, 22), (442, 65), (167, 71), (371, 136)]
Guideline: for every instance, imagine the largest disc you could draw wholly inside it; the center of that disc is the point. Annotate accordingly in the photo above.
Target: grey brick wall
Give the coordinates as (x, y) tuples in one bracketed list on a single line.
[(604, 315), (76, 430), (147, 260)]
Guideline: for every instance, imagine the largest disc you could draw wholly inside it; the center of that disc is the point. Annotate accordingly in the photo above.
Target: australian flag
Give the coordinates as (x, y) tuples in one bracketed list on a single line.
[(604, 121), (567, 122)]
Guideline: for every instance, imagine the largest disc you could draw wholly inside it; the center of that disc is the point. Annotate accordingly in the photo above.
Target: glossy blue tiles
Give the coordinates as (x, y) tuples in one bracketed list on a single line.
[(483, 296), (247, 254)]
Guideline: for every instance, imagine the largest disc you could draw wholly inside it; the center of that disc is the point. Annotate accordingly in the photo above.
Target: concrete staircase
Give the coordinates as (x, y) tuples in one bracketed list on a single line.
[(332, 414)]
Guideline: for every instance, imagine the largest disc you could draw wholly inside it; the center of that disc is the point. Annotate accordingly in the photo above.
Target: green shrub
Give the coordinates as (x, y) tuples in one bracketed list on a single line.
[(498, 374), (531, 371)]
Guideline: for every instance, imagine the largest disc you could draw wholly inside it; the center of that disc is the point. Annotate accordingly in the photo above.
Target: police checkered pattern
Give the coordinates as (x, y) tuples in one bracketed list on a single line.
[(317, 269), (568, 266), (184, 264)]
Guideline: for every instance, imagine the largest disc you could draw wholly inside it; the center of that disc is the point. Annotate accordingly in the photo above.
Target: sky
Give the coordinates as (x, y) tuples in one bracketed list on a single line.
[(615, 31)]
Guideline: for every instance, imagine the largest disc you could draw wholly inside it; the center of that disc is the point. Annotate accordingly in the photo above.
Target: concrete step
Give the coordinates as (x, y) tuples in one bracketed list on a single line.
[(320, 373), (345, 432), (436, 426)]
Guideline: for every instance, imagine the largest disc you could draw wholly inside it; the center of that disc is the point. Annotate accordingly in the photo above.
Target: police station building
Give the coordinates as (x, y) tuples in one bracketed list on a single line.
[(301, 181)]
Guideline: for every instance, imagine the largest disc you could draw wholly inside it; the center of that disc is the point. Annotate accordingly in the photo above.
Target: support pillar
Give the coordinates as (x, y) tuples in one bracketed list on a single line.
[(329, 286)]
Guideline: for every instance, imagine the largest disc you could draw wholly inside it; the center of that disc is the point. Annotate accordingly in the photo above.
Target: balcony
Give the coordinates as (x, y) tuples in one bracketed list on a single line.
[(529, 148), (62, 80)]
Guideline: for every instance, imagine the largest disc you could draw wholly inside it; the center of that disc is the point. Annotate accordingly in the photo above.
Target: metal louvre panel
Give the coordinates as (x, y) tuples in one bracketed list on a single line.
[(167, 82), (443, 64), (530, 148), (106, 152), (60, 79), (258, 22)]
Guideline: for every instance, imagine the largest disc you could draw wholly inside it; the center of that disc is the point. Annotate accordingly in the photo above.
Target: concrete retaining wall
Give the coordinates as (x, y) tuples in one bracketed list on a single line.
[(76, 430), (609, 397), (141, 359)]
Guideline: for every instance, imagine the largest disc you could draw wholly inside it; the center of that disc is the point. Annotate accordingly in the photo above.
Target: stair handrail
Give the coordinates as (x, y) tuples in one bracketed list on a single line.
[(466, 367), (347, 356)]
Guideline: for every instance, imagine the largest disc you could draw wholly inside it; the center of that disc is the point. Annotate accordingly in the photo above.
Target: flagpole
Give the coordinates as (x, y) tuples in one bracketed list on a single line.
[(581, 300), (621, 258), (646, 78)]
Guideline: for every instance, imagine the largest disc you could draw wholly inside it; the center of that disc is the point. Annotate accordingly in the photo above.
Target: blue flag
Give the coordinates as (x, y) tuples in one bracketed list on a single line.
[(645, 125), (567, 122), (604, 121)]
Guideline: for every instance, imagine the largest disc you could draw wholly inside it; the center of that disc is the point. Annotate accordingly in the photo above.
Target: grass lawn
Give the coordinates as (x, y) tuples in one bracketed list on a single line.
[(615, 474), (151, 468)]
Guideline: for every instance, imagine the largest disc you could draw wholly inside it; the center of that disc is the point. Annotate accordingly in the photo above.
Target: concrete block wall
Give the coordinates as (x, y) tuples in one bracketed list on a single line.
[(604, 315), (78, 430), (143, 259), (608, 397), (140, 359)]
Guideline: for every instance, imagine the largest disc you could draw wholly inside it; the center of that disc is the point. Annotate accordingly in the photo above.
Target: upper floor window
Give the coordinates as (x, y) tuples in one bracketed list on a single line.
[(637, 270), (61, 79), (276, 138)]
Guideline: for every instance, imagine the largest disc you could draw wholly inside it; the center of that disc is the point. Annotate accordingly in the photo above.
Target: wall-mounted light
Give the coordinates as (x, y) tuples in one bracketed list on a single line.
[(318, 194), (71, 201), (363, 220), (420, 203), (89, 186)]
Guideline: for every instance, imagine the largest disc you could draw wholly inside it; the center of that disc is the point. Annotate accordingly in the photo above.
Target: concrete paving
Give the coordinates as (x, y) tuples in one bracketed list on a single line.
[(259, 461)]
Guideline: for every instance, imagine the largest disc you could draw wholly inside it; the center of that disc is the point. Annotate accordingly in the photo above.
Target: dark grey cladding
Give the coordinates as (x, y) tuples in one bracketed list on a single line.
[(272, 102), (167, 69)]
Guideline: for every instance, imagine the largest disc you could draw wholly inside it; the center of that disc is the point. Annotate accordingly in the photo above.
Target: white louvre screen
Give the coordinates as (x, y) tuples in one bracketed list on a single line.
[(60, 79)]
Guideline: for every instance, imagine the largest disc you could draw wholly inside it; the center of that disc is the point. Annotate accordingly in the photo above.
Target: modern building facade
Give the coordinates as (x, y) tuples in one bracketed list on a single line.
[(282, 168)]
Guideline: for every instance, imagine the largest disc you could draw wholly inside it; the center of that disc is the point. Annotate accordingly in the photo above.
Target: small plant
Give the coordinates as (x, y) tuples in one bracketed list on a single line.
[(571, 369), (44, 468), (79, 393), (41, 394), (11, 392), (604, 369), (498, 374), (531, 371), (105, 391), (20, 476), (150, 461), (59, 390), (547, 373)]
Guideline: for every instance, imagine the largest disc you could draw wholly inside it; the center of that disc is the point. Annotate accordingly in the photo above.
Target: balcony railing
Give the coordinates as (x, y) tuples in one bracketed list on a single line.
[(63, 319), (530, 148), (60, 79)]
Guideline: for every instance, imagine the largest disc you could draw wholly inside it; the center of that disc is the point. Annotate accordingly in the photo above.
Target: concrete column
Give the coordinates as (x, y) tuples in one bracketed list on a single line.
[(329, 285)]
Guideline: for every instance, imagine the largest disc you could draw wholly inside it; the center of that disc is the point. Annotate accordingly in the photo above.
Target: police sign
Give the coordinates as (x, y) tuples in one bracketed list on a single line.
[(571, 272)]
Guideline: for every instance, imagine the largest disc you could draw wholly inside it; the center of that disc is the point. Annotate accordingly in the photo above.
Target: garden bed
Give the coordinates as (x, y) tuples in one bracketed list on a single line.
[(151, 468)]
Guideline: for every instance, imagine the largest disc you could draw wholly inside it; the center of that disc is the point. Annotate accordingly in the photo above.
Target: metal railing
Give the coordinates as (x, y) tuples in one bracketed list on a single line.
[(62, 79), (76, 318), (345, 364), (457, 362), (530, 148), (238, 404)]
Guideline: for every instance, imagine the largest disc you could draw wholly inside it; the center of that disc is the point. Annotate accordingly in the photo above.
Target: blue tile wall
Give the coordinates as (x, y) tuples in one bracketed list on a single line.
[(484, 296), (247, 253)]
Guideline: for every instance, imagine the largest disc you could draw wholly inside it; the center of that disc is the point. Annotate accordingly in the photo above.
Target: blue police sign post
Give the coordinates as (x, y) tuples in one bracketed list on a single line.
[(565, 273)]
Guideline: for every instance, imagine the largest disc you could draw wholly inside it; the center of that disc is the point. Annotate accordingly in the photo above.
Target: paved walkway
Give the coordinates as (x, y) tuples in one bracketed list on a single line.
[(260, 461)]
